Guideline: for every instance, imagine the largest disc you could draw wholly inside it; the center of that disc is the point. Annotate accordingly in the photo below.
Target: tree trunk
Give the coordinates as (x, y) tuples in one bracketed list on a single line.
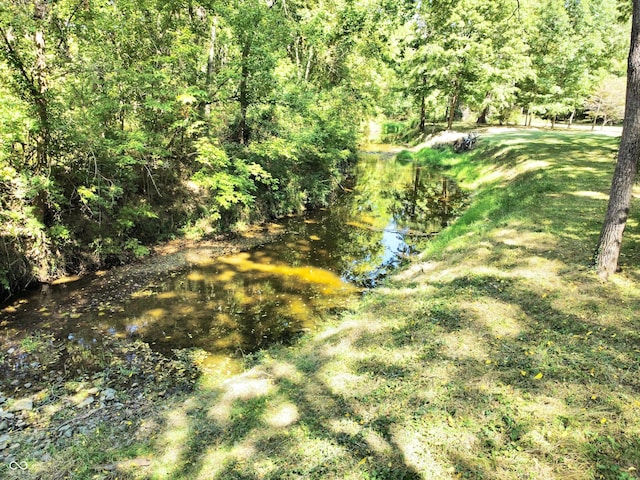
[(416, 190), (243, 132), (307, 70), (608, 248), (482, 119), (423, 106), (44, 131), (595, 118), (40, 80), (211, 57), (452, 109)]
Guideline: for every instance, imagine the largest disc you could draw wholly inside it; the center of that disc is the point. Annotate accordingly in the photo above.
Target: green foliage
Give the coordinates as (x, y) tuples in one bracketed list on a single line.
[(126, 122), (142, 119), (545, 56)]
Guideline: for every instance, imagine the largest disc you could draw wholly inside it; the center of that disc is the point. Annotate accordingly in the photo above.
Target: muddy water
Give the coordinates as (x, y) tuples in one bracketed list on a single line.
[(230, 304)]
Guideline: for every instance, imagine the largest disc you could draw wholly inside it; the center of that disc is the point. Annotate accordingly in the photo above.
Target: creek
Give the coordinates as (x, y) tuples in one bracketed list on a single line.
[(230, 304)]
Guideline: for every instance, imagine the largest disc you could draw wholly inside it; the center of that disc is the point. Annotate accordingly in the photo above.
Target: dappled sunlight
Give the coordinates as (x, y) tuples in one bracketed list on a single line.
[(541, 271), (520, 236), (347, 330), (201, 257), (212, 462), (251, 384), (344, 383), (503, 175), (545, 409), (66, 279), (215, 368), (417, 269), (306, 274), (414, 440), (285, 370), (246, 386), (464, 344), (498, 318), (589, 194), (172, 443), (415, 449), (628, 285), (281, 415), (504, 357), (344, 425), (477, 361)]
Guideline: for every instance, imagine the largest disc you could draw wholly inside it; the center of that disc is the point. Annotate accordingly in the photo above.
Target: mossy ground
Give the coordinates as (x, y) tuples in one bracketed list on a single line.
[(497, 354)]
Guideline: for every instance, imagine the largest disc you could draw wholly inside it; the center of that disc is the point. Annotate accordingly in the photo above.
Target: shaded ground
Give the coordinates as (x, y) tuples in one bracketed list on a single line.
[(497, 355)]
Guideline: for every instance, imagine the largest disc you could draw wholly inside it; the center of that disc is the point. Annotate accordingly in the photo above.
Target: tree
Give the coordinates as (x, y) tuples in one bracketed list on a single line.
[(607, 102), (573, 44), (463, 53), (608, 248)]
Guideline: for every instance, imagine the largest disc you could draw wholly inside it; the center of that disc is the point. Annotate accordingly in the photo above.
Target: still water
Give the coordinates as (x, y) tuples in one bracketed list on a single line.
[(237, 303)]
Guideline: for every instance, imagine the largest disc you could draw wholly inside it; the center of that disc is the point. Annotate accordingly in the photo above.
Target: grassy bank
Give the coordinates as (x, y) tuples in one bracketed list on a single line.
[(497, 354)]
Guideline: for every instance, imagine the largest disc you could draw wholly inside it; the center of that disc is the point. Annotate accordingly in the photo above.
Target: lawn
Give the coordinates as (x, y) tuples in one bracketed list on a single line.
[(496, 354)]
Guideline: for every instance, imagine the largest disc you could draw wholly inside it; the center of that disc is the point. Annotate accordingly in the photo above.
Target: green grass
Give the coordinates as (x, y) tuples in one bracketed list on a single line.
[(497, 354)]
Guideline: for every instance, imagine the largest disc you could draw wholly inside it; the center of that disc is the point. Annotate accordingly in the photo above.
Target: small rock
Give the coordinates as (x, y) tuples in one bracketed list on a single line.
[(108, 394), (21, 404), (14, 446), (93, 391), (5, 440), (6, 415), (86, 402), (27, 385), (3, 425), (45, 457), (11, 350), (15, 383)]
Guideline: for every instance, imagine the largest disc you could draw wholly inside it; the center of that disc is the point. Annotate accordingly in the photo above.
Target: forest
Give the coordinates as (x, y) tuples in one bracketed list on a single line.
[(126, 123)]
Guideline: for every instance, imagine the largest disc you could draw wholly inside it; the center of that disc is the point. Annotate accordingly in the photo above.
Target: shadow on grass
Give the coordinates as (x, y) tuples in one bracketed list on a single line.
[(523, 373), (514, 364), (279, 422)]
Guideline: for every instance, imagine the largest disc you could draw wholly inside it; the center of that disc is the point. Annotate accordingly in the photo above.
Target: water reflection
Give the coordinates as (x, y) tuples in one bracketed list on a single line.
[(239, 303)]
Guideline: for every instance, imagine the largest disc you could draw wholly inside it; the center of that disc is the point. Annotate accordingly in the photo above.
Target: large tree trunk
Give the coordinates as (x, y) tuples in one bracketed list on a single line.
[(482, 119), (608, 249)]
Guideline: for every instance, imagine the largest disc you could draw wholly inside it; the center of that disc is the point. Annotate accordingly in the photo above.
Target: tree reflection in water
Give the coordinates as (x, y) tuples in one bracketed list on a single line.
[(240, 303)]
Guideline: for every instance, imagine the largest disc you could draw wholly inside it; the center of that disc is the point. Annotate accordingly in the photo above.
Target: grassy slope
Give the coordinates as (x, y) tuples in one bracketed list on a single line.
[(498, 354)]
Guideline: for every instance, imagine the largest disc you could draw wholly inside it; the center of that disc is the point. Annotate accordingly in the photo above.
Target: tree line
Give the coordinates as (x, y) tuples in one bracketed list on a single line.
[(124, 123)]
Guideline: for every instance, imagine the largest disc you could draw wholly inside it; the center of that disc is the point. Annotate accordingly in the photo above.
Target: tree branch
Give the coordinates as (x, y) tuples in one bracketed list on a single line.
[(14, 59)]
